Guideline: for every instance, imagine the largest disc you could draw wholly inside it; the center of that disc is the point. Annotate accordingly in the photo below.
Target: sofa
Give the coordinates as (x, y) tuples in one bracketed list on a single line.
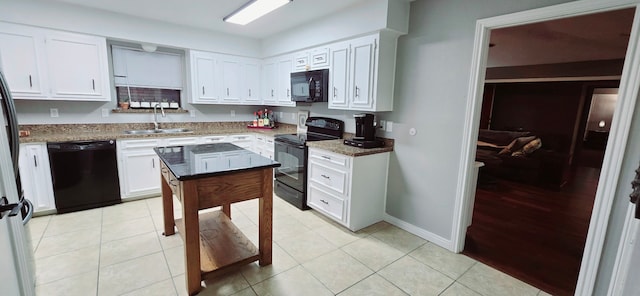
[(523, 156)]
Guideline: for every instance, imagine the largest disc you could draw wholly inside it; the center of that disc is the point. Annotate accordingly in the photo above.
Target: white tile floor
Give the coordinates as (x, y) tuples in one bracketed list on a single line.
[(120, 250)]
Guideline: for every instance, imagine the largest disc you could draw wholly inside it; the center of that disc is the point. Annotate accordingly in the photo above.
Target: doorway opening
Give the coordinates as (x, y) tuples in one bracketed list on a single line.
[(548, 99)]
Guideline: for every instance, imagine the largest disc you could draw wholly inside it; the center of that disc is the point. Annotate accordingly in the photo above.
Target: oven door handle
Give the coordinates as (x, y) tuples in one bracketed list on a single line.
[(311, 88)]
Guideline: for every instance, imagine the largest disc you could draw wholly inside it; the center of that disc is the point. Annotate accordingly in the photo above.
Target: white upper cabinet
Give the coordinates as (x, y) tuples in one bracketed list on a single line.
[(230, 80), (276, 82), (339, 76), (203, 78), (136, 68), (19, 61), (313, 59), (250, 74), (224, 79), (362, 73), (362, 55), (77, 65), (269, 83), (283, 89), (47, 64)]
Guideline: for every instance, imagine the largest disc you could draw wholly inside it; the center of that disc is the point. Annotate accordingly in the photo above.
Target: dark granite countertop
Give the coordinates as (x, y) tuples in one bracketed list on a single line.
[(208, 160)]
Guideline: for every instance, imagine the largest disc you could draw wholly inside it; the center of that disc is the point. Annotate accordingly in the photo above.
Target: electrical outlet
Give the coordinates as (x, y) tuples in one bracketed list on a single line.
[(233, 113), (192, 113), (53, 112), (389, 126), (383, 124), (105, 112)]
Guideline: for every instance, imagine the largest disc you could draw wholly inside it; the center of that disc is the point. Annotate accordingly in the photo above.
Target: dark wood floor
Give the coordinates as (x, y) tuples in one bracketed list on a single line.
[(534, 234)]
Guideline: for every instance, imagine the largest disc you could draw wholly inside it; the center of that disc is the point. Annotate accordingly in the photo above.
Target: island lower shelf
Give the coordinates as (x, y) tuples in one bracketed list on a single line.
[(222, 245)]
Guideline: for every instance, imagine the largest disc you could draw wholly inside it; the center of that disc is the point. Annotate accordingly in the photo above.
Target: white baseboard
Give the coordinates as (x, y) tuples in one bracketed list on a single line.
[(427, 235)]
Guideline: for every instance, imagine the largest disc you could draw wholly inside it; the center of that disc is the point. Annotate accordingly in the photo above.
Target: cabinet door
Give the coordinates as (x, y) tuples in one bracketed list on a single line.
[(230, 81), (362, 54), (339, 78), (20, 64), (284, 83), (35, 175), (204, 72), (251, 76), (270, 81), (301, 61), (141, 173), (319, 58), (77, 66)]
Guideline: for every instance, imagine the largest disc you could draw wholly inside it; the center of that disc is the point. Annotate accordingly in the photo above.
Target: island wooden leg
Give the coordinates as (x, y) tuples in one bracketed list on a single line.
[(191, 237), (226, 209), (265, 218), (167, 208)]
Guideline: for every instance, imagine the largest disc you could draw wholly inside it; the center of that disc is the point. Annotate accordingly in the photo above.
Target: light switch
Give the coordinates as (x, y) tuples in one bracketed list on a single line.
[(389, 126)]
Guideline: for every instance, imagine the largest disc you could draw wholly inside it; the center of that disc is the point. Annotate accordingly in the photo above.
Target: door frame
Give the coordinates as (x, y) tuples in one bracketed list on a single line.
[(616, 145)]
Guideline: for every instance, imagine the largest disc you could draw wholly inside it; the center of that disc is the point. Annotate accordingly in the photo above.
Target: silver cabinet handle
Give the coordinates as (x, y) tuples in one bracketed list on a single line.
[(324, 201), (326, 177), (30, 81), (334, 92), (203, 90), (288, 93), (271, 92), (35, 161), (357, 91), (227, 91), (153, 163), (326, 157), (93, 84), (319, 58), (249, 92)]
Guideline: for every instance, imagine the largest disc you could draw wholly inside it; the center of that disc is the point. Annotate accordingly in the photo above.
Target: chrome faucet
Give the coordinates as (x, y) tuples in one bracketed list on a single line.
[(155, 114)]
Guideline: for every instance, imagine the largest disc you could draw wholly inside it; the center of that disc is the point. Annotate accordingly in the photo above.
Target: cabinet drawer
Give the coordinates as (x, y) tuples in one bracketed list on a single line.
[(214, 139), (136, 144), (329, 158), (181, 141), (333, 179), (325, 202)]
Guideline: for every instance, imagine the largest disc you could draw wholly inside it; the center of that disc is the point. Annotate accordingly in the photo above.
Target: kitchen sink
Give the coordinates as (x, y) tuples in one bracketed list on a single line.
[(158, 131)]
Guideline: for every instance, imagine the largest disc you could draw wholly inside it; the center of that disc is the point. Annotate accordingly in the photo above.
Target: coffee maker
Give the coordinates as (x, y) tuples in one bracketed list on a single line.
[(365, 132)]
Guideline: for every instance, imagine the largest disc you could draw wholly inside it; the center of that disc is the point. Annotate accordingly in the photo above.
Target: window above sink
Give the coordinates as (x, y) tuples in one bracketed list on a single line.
[(144, 79)]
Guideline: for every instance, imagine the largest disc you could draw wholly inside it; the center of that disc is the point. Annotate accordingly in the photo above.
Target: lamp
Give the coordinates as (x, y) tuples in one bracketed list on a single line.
[(149, 47), (253, 10)]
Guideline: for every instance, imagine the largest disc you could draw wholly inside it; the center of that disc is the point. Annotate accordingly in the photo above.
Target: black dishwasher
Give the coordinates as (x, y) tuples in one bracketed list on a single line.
[(84, 174)]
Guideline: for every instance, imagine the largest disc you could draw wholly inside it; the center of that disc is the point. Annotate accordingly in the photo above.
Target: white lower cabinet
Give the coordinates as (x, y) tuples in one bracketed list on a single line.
[(264, 146), (138, 168), (35, 177), (244, 141), (349, 190)]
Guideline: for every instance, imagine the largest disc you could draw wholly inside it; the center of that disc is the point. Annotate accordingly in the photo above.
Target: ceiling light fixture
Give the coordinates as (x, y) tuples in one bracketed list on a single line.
[(253, 10)]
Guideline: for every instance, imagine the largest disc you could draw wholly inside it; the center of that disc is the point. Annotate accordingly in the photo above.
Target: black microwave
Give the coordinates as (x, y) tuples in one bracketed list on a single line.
[(310, 86)]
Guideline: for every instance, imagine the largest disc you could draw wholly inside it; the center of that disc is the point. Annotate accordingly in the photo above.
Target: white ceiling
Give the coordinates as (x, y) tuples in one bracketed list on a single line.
[(208, 14), (591, 37), (601, 36)]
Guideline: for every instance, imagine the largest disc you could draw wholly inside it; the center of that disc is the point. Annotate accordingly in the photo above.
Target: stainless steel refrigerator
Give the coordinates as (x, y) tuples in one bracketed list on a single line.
[(17, 269)]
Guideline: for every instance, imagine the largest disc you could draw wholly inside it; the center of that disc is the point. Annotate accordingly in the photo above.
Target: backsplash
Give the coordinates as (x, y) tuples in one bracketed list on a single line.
[(139, 94)]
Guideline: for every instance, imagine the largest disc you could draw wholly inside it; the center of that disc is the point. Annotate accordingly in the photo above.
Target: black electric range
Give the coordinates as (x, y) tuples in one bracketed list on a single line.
[(291, 151)]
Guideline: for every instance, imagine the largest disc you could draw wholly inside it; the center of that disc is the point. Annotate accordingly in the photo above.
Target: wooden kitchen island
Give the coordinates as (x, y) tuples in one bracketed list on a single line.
[(215, 175)]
